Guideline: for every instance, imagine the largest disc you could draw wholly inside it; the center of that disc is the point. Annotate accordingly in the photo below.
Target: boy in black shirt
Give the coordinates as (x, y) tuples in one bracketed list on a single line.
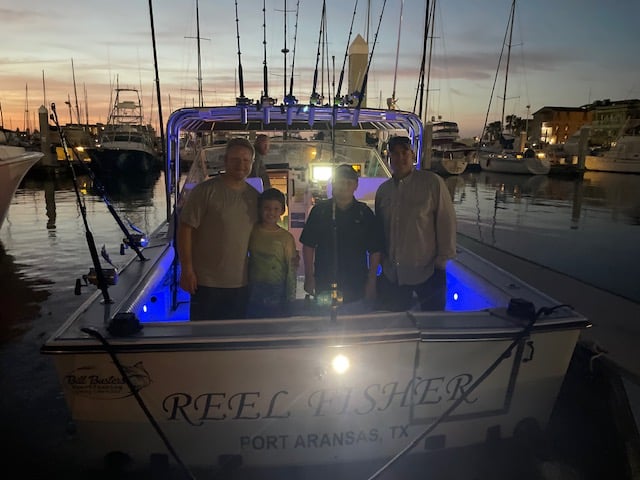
[(342, 242)]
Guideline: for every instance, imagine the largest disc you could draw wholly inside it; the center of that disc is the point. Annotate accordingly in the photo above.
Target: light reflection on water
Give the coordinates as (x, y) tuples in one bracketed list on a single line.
[(45, 248), (589, 229)]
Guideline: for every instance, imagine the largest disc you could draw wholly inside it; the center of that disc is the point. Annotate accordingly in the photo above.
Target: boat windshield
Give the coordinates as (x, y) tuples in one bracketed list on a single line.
[(310, 161)]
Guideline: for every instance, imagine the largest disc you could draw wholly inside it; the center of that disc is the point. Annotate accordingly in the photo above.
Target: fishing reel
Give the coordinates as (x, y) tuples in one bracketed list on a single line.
[(138, 240), (110, 276), (330, 298), (316, 99), (266, 101)]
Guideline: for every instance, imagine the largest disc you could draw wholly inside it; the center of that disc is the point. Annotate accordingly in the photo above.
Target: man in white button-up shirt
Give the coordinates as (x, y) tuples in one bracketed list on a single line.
[(419, 222)]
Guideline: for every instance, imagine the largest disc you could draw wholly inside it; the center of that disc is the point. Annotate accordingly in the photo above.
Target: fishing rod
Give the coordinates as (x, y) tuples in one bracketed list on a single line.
[(338, 99), (315, 97), (366, 73), (265, 99), (423, 60), (100, 277), (241, 100), (130, 240), (134, 241), (335, 300), (290, 99), (284, 51)]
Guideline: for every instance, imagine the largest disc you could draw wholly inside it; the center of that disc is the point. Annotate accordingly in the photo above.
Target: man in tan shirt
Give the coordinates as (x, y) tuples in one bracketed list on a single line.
[(213, 238)]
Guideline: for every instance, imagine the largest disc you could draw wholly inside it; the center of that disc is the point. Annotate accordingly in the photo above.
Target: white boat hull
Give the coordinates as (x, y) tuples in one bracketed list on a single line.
[(449, 164), (15, 162), (612, 164), (507, 163), (284, 406)]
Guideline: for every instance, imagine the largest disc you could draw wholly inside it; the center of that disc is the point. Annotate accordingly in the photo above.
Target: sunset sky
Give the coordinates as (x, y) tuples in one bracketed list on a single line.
[(564, 53)]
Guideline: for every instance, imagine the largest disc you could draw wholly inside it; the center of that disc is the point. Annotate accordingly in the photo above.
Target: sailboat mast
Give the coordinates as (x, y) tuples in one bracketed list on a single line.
[(431, 15), (44, 90), (506, 73), (27, 126), (75, 91), (86, 104)]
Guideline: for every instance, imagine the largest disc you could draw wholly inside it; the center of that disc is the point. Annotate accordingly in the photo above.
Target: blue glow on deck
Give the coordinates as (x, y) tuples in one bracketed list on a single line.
[(466, 292)]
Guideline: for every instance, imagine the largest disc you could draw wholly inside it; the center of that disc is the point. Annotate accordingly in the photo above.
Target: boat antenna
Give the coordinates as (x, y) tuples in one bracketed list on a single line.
[(338, 99), (290, 99), (366, 73), (265, 99), (393, 101), (241, 100), (315, 97), (101, 280)]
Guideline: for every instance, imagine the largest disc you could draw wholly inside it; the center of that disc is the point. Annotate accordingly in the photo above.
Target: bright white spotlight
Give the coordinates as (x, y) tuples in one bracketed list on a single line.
[(321, 173), (455, 296), (340, 364)]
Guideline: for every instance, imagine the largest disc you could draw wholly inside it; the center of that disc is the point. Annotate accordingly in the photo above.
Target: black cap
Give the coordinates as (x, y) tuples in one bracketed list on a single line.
[(346, 171), (399, 140)]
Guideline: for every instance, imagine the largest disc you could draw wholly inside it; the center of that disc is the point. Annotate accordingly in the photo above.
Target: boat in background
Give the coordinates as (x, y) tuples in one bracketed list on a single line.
[(80, 141), (125, 143), (624, 154), (15, 162), (507, 160), (509, 153), (332, 384), (448, 155)]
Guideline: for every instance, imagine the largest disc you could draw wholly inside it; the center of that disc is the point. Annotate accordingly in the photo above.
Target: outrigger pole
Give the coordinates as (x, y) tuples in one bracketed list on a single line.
[(102, 281)]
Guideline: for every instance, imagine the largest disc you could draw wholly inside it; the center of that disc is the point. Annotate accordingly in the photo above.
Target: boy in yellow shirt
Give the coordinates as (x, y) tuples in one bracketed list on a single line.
[(273, 260)]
